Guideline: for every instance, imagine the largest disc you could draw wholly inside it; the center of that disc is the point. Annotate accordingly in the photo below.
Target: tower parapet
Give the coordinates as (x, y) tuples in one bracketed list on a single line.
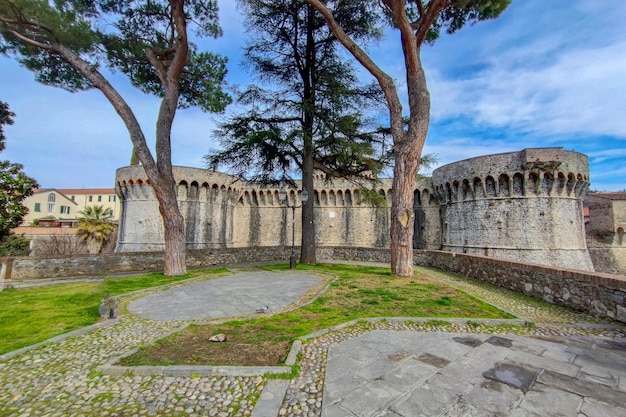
[(525, 206), (206, 200)]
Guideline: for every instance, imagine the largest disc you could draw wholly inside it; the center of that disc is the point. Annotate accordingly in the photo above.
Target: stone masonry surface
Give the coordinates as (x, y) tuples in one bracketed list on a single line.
[(525, 206), (59, 379)]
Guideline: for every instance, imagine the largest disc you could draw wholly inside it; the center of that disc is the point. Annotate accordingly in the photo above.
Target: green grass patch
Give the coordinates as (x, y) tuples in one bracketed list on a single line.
[(358, 292), (32, 315)]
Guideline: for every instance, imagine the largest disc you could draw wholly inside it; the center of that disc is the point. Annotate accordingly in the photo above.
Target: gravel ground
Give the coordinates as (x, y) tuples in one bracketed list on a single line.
[(60, 379)]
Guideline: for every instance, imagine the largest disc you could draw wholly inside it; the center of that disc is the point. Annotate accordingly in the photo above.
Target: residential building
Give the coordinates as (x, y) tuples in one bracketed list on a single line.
[(49, 203), (60, 207), (104, 197)]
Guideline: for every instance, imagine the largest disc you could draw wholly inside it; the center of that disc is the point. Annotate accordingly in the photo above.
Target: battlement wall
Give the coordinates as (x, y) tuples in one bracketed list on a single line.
[(524, 206)]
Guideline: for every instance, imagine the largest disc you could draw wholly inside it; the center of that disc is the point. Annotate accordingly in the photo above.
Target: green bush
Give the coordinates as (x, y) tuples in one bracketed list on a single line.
[(14, 245)]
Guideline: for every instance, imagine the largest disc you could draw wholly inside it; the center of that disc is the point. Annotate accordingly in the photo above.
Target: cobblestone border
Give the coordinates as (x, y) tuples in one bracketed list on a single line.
[(58, 338)]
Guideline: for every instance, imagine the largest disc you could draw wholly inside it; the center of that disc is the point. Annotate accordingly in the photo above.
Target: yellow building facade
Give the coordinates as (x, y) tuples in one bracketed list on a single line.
[(64, 204)]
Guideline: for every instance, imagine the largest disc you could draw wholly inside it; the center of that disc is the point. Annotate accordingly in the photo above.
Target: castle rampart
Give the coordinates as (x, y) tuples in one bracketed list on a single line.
[(524, 206)]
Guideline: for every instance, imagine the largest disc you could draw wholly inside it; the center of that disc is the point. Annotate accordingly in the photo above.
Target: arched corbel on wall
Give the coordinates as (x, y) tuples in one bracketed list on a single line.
[(620, 236), (547, 183), (448, 193), (324, 198), (571, 183), (340, 200), (580, 187), (193, 191), (204, 192), (417, 198), (560, 183), (332, 198), (479, 189), (518, 186), (466, 190), (534, 184), (490, 186), (182, 190), (348, 198), (504, 186), (429, 197), (455, 191)]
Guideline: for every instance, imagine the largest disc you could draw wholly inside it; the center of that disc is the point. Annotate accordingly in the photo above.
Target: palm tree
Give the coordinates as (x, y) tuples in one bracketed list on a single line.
[(95, 227)]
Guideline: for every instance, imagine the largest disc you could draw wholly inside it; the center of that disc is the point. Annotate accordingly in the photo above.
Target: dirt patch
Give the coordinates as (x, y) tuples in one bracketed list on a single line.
[(192, 347)]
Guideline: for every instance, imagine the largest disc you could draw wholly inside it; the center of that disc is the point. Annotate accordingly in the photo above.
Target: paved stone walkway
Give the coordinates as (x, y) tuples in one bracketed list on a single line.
[(387, 373), (231, 296), (576, 361)]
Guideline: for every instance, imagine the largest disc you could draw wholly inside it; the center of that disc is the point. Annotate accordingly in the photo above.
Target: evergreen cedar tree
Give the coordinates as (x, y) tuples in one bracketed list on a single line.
[(312, 117), (419, 22), (65, 42)]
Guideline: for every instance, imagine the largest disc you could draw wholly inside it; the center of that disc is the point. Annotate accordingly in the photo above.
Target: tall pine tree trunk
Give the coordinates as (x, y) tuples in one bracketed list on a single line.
[(308, 250), (402, 215), (174, 228)]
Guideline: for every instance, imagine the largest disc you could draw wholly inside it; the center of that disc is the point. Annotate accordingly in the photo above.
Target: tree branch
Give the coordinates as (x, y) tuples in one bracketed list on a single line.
[(119, 104), (157, 64), (384, 80), (426, 20), (30, 41)]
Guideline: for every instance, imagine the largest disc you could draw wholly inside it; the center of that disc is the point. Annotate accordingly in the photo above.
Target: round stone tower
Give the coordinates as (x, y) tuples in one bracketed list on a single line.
[(525, 206), (206, 200)]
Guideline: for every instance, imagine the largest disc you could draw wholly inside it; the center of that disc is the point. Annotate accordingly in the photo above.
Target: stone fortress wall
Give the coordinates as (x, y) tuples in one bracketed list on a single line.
[(606, 240), (524, 206)]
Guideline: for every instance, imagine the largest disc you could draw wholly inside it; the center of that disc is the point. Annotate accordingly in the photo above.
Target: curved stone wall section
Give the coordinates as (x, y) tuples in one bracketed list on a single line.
[(427, 230), (206, 200), (260, 219), (525, 206)]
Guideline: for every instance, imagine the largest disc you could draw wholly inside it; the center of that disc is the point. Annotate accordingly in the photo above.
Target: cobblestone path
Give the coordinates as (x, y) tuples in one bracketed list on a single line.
[(60, 379)]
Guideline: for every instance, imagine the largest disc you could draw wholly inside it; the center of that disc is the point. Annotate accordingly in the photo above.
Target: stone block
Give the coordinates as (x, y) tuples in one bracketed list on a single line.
[(561, 403)]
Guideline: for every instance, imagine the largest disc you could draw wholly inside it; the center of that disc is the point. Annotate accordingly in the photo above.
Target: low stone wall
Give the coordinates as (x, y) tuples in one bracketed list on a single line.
[(28, 267), (596, 293), (608, 258), (599, 294)]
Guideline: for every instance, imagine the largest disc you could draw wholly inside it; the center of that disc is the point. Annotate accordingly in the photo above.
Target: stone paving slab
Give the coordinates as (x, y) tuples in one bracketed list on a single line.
[(232, 296), (388, 373), (270, 399)]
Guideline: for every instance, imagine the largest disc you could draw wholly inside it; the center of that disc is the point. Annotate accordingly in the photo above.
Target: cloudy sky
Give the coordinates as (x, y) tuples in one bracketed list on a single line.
[(545, 74)]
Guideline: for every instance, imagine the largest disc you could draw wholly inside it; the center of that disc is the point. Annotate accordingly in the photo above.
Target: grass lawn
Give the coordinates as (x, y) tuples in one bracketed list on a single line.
[(32, 315), (359, 292)]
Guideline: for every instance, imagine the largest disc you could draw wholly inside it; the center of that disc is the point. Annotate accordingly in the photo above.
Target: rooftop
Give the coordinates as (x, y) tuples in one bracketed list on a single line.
[(609, 196)]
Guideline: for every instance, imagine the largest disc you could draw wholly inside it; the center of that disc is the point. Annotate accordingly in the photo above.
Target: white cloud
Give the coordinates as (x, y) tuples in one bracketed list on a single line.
[(580, 92), (538, 74)]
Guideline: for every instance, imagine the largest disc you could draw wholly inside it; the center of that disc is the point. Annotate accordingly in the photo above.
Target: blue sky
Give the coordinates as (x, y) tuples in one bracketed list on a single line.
[(544, 74)]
